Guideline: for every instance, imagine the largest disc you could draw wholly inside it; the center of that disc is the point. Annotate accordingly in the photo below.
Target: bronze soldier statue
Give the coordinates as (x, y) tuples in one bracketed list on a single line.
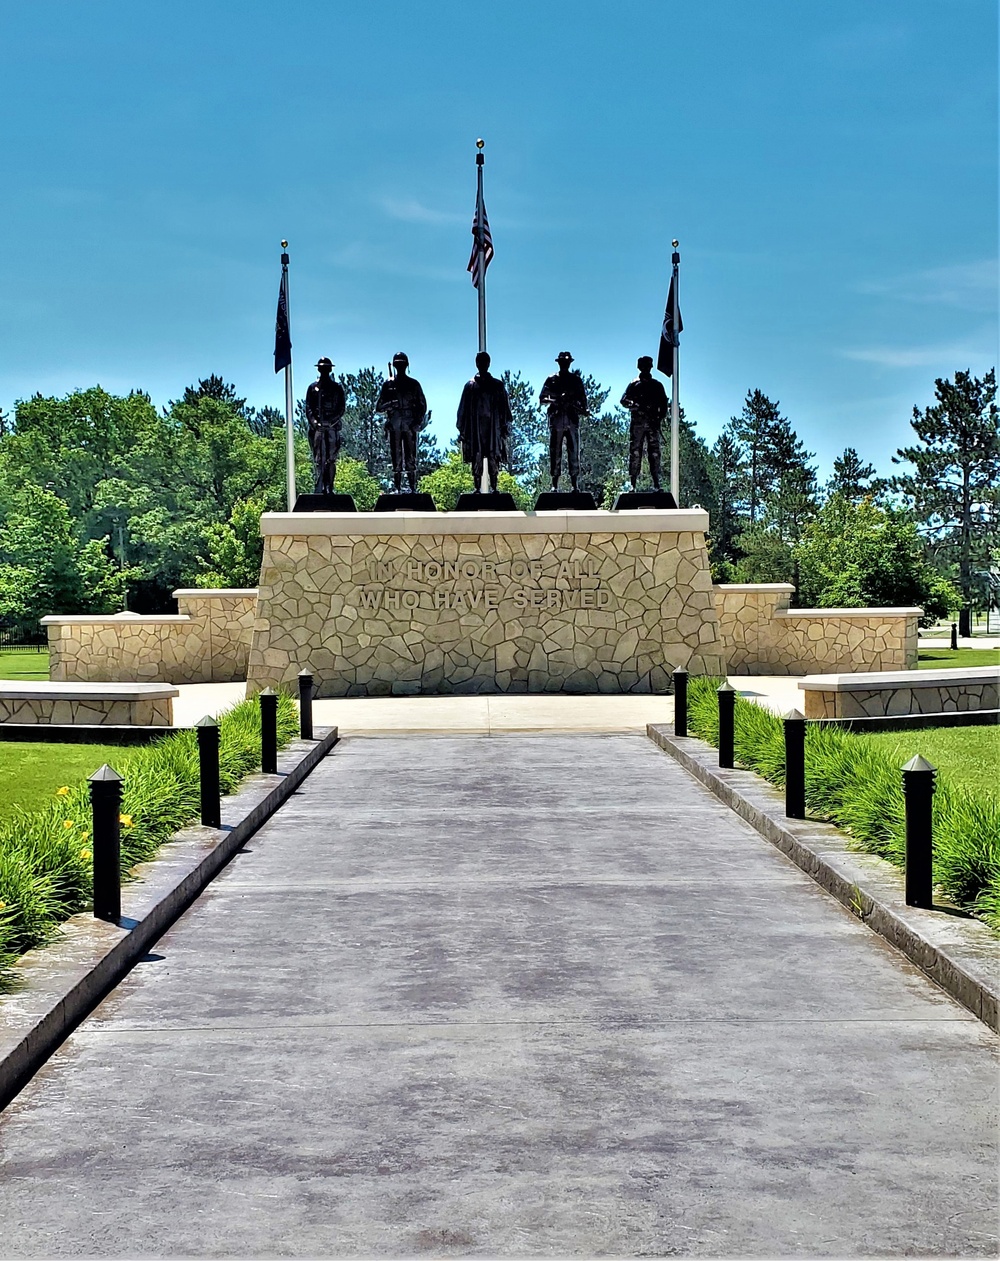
[(567, 401), (484, 422), (402, 400), (646, 399), (325, 405)]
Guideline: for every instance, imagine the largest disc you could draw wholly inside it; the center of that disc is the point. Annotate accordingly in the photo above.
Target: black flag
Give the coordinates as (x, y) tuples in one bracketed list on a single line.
[(282, 337), (669, 336)]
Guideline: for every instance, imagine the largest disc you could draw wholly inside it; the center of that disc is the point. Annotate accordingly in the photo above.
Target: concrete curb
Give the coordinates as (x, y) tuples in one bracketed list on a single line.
[(63, 981), (957, 952)]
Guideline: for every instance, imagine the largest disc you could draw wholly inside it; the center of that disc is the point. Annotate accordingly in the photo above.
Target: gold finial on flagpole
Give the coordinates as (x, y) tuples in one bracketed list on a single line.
[(675, 244), (284, 245), (480, 142)]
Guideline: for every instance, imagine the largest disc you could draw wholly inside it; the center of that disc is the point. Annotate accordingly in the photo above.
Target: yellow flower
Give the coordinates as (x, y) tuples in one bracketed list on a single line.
[(3, 906), (67, 823), (84, 835), (85, 854), (64, 791), (126, 819)]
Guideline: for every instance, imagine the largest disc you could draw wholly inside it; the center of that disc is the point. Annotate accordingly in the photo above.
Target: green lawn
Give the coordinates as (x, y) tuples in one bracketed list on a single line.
[(30, 774), (24, 664), (946, 659), (967, 755)]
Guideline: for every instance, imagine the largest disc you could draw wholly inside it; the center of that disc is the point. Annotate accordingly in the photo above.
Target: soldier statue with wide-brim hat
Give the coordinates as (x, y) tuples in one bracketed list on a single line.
[(325, 407), (402, 401), (566, 399)]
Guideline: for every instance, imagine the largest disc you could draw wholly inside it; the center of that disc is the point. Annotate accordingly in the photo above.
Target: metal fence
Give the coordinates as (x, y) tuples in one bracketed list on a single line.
[(23, 635)]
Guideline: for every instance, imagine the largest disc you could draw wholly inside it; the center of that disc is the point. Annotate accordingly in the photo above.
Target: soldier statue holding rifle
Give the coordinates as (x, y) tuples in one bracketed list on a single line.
[(325, 406), (646, 400), (402, 400), (566, 398)]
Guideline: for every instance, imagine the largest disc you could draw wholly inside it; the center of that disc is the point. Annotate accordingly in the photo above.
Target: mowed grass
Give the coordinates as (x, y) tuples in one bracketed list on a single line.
[(962, 755), (30, 774), (24, 664), (947, 658)]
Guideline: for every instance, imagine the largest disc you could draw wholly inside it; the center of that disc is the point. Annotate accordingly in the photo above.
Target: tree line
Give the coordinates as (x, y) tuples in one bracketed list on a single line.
[(108, 502)]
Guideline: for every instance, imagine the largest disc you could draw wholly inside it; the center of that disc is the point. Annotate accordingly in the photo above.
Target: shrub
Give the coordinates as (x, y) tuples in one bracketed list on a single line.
[(853, 783), (45, 854)]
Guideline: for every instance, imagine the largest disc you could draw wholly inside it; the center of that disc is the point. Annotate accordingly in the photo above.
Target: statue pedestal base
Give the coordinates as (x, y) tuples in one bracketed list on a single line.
[(644, 499), (409, 501), (404, 604), (325, 503), (495, 501), (565, 501)]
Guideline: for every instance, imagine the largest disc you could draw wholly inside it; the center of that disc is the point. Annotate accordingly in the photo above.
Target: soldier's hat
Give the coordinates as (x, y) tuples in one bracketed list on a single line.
[(399, 357), (644, 359), (564, 357), (324, 362)]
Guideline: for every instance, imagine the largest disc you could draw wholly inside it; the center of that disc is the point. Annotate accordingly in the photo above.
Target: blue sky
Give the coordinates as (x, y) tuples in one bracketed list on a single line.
[(830, 171)]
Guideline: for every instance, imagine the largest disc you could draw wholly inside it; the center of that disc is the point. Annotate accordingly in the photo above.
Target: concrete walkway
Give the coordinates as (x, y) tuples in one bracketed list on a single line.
[(510, 996), (487, 715)]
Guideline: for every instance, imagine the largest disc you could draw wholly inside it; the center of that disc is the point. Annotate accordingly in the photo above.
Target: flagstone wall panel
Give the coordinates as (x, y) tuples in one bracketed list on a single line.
[(382, 604)]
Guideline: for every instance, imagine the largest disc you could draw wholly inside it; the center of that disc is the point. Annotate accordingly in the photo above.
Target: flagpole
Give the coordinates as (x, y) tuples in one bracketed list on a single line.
[(480, 235), (289, 395), (675, 411)]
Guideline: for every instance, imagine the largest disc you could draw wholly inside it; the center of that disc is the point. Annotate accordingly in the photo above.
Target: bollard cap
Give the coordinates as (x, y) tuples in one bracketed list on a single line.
[(793, 715), (919, 765), (727, 687), (105, 775), (207, 721), (684, 672), (305, 674), (269, 691)]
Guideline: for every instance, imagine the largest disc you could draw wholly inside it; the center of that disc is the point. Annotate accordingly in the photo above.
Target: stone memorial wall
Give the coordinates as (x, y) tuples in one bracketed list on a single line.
[(403, 604)]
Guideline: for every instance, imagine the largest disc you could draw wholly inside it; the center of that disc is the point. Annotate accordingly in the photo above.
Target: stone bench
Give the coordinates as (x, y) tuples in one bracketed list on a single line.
[(901, 692), (88, 704)]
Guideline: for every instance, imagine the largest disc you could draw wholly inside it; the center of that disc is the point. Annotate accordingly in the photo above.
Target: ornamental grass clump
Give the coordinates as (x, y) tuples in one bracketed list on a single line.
[(46, 863), (853, 782)]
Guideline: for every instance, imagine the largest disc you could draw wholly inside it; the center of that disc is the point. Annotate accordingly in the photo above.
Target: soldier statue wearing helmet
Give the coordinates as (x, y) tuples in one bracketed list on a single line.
[(402, 400), (566, 398), (325, 405), (646, 400)]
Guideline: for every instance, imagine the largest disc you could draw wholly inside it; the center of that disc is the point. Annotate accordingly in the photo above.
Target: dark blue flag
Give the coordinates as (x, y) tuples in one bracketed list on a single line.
[(282, 336), (669, 335)]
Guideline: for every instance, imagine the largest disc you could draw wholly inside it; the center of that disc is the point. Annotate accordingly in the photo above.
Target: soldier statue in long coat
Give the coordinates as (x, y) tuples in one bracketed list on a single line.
[(484, 422), (325, 406), (646, 400), (402, 400)]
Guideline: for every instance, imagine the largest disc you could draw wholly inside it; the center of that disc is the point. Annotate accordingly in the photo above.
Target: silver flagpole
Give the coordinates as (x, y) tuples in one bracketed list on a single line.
[(289, 393), (481, 239), (675, 410)]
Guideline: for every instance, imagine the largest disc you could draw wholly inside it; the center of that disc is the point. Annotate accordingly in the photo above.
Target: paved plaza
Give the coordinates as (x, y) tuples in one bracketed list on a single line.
[(511, 995)]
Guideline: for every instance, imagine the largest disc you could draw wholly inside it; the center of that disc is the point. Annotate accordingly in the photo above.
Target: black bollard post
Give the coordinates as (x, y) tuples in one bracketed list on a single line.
[(918, 791), (269, 732), (795, 765), (727, 725), (680, 702), (954, 637), (106, 806), (208, 771), (305, 705)]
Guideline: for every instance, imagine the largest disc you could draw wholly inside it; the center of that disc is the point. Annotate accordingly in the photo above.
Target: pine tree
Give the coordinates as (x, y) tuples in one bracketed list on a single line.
[(955, 489), (851, 477), (727, 466), (755, 428)]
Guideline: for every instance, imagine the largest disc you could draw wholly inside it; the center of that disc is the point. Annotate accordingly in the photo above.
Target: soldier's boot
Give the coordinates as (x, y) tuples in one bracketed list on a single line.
[(397, 482), (555, 482)]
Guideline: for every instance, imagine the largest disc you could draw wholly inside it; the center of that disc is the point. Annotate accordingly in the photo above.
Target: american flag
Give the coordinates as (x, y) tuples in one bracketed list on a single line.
[(480, 218)]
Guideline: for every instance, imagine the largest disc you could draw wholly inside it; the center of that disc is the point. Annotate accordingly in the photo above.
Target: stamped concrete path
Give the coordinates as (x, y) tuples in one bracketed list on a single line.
[(510, 996)]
